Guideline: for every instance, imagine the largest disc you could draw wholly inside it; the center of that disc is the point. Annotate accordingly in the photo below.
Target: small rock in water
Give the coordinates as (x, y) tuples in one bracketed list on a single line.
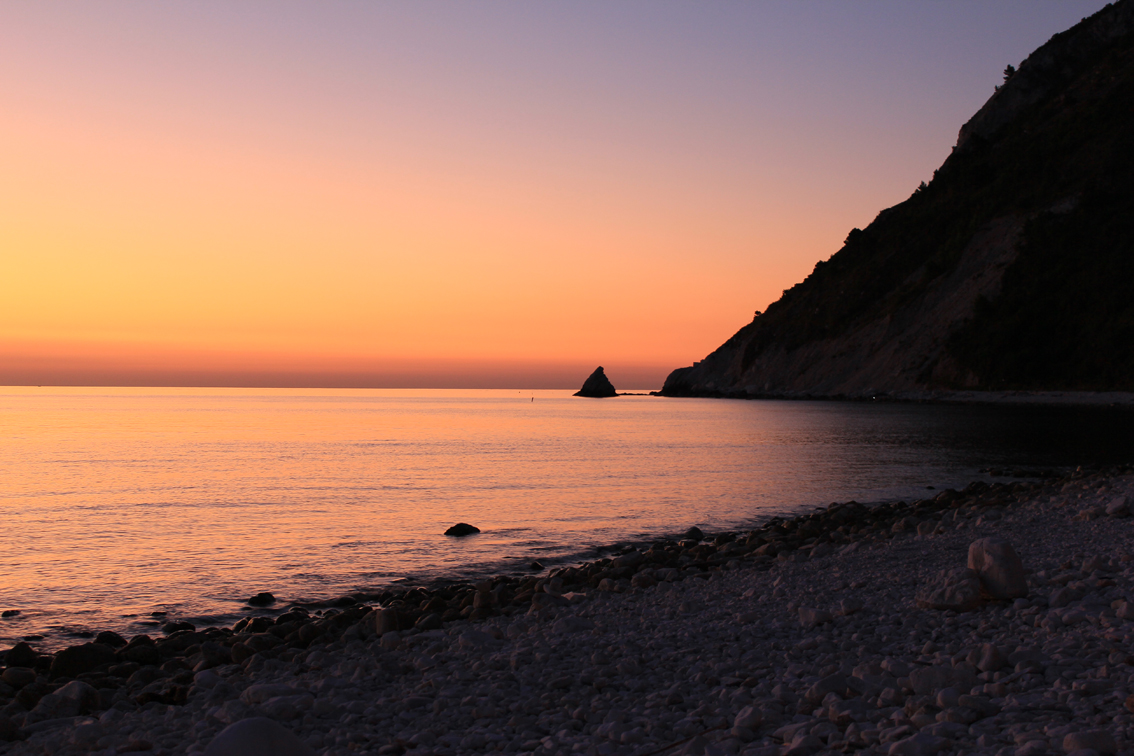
[(10, 613), (262, 599), (536, 566), (462, 529), (170, 628), (694, 533), (257, 736), (597, 386)]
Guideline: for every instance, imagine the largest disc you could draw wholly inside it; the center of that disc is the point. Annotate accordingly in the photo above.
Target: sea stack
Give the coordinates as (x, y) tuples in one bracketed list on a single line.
[(597, 386)]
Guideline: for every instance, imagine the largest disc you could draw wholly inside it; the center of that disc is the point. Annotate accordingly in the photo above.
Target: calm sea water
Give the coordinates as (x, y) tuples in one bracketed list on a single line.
[(121, 502)]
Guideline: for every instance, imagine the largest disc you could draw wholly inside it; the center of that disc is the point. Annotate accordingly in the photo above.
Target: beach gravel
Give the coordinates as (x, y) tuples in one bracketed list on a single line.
[(803, 637)]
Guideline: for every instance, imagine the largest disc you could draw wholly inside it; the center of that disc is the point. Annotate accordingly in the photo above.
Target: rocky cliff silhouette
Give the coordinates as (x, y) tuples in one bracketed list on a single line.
[(1012, 269)]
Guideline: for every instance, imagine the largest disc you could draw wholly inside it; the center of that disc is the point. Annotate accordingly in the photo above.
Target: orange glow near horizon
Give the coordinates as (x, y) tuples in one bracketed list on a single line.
[(182, 203)]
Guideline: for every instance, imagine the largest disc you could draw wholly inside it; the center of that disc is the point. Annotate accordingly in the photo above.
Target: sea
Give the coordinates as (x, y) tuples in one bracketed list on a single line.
[(125, 508)]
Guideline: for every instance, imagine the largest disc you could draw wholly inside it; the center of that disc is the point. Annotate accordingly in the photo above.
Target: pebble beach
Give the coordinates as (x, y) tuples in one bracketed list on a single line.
[(857, 629)]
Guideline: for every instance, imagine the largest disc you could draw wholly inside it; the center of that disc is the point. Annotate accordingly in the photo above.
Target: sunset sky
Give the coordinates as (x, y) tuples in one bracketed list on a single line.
[(450, 194)]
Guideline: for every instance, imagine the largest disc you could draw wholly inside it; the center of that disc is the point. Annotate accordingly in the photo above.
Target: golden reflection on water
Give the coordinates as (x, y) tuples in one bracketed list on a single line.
[(126, 501)]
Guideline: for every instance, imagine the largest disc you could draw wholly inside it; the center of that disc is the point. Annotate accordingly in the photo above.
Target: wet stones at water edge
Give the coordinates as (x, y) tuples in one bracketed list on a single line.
[(110, 638), (262, 599), (462, 529), (597, 386), (21, 655), (74, 661)]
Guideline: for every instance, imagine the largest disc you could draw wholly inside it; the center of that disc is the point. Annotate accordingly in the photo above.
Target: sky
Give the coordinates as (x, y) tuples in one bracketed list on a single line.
[(463, 195)]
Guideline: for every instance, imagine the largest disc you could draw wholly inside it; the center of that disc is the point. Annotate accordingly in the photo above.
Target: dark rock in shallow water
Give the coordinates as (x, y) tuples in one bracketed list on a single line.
[(173, 627), (597, 386), (462, 529), (536, 566), (21, 655), (10, 613), (262, 599), (694, 533), (74, 661)]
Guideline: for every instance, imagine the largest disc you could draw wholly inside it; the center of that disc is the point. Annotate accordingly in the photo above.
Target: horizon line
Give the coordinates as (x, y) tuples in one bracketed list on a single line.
[(304, 386)]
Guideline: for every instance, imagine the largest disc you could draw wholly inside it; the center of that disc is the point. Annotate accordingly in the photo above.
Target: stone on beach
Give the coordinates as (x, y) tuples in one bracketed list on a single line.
[(999, 568), (809, 617), (921, 744), (955, 590), (257, 736), (74, 661), (18, 677), (1119, 507), (462, 529), (21, 655), (386, 621), (1099, 741)]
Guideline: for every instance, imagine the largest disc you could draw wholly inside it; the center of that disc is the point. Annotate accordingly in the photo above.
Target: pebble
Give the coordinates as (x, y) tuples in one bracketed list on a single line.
[(257, 736)]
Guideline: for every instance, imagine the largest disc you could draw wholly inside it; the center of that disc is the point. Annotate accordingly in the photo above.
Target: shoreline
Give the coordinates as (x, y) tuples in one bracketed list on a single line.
[(201, 678), (61, 637), (1123, 400)]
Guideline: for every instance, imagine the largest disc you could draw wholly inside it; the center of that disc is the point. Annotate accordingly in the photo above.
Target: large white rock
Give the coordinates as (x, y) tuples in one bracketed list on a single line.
[(999, 568), (1119, 507), (258, 736)]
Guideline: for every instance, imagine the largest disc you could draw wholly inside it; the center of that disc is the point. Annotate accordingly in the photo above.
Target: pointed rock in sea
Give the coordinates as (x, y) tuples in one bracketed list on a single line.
[(597, 386)]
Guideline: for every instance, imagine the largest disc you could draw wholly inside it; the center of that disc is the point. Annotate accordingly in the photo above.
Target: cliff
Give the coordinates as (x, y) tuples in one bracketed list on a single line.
[(1012, 269)]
